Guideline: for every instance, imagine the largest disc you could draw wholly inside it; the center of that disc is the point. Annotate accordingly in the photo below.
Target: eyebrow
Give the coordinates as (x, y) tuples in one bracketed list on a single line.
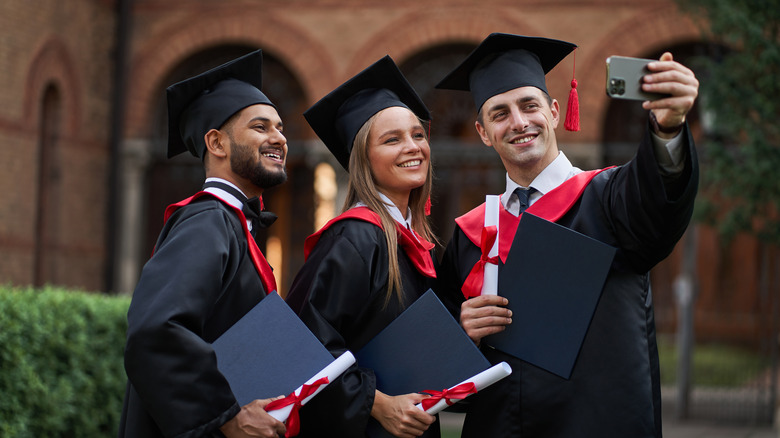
[(399, 131), (266, 120), (502, 106)]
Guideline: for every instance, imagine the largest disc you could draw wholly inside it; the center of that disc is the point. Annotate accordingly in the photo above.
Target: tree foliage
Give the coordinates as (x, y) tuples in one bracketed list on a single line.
[(740, 105)]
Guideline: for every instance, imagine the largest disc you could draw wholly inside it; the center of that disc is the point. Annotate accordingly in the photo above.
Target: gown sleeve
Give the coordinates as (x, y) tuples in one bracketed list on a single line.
[(335, 294), (648, 210), (168, 362)]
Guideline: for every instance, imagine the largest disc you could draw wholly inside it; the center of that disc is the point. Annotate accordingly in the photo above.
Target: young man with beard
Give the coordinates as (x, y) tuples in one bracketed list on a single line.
[(206, 271), (641, 208)]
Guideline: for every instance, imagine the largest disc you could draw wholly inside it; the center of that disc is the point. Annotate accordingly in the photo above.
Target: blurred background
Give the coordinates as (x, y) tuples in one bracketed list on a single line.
[(84, 178)]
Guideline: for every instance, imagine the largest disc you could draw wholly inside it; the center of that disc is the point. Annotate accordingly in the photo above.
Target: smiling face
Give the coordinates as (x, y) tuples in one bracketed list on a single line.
[(398, 153), (519, 124), (258, 149)]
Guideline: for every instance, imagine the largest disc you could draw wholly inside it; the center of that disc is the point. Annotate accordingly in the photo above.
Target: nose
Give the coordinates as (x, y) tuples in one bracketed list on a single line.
[(411, 145), (518, 120), (277, 137)]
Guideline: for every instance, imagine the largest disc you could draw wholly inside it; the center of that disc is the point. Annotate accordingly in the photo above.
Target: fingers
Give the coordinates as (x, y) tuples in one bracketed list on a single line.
[(482, 316), (675, 80), (264, 402), (414, 422), (400, 416)]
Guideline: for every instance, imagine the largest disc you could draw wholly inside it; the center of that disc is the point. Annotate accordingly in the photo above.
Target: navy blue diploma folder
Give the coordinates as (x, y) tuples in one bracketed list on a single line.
[(553, 277), (424, 348), (269, 352)]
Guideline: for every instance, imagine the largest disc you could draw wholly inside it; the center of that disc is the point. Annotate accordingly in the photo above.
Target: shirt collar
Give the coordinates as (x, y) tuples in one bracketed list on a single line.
[(395, 213), (551, 177), (222, 194)]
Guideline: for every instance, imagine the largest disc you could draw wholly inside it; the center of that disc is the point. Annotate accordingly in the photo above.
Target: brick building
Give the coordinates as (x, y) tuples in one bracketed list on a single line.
[(82, 167)]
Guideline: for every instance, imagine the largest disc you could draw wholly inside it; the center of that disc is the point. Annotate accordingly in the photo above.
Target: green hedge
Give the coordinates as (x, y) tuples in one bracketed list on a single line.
[(61, 368)]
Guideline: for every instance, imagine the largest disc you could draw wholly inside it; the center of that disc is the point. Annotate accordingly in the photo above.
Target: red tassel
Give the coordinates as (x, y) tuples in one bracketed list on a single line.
[(572, 122)]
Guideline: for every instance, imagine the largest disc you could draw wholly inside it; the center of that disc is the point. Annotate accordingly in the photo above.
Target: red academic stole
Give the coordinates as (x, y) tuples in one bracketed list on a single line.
[(416, 248), (552, 206), (258, 259)]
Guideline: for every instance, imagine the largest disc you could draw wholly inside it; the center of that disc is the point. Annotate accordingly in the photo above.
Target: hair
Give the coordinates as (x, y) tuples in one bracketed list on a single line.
[(362, 187), (480, 118)]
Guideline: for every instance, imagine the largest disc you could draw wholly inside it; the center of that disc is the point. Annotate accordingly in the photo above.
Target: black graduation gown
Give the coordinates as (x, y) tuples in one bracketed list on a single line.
[(199, 282), (614, 389), (340, 294)]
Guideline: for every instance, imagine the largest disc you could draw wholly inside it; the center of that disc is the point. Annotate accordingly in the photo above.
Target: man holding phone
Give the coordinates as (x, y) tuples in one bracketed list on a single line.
[(641, 208)]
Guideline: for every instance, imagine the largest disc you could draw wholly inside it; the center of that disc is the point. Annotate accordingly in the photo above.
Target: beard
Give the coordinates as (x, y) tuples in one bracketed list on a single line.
[(243, 164)]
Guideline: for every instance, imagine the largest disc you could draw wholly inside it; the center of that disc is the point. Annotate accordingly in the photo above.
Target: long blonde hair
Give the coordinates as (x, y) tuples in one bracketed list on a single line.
[(362, 188)]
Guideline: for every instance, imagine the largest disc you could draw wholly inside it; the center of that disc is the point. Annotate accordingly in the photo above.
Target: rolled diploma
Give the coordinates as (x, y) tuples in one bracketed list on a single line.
[(481, 381), (331, 371), (490, 282)]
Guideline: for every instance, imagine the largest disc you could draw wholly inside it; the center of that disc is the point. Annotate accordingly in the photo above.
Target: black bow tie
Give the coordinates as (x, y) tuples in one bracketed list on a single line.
[(251, 207), (259, 218)]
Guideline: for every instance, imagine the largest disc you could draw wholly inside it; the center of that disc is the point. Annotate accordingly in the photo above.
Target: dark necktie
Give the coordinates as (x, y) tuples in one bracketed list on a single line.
[(524, 196)]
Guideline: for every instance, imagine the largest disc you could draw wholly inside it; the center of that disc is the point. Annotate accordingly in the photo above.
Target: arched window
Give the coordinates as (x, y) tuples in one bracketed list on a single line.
[(48, 199)]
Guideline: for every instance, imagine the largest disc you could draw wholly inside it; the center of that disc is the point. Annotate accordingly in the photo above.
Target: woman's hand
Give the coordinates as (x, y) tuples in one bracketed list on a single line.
[(399, 415)]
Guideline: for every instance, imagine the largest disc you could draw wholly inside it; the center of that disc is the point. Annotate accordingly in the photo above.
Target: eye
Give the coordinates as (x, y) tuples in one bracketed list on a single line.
[(419, 135), (389, 140), (259, 127), (531, 106), (498, 115)]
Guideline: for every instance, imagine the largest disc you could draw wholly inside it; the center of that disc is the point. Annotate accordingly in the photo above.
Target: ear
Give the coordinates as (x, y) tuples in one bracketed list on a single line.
[(483, 134), (214, 143), (555, 110)]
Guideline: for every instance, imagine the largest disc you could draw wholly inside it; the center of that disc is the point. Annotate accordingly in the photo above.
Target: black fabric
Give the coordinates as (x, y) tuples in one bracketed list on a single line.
[(614, 390), (199, 282), (340, 295), (503, 62)]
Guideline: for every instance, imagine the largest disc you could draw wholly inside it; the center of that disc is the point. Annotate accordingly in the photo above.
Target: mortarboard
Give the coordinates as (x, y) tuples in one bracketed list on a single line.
[(503, 62), (206, 101), (337, 117), (551, 308)]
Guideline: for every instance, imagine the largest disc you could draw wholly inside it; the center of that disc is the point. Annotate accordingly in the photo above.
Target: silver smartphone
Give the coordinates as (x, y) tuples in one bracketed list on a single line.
[(624, 78)]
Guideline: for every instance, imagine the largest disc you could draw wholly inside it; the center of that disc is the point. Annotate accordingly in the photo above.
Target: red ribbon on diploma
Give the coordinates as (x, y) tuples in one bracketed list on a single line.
[(455, 393), (472, 287), (293, 422)]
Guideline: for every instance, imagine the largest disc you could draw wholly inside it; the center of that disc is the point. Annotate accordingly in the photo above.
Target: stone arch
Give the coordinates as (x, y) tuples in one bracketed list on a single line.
[(52, 64), (304, 56), (649, 31), (419, 30)]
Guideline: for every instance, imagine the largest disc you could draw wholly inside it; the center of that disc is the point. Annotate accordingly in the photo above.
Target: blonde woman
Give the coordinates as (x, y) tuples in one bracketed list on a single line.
[(367, 265)]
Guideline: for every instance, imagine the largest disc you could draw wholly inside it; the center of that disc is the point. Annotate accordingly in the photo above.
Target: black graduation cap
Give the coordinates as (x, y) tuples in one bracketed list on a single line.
[(338, 117), (206, 101), (503, 62)]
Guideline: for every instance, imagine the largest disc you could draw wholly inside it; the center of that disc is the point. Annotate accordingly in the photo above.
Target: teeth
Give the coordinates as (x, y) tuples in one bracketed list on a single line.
[(522, 140), (410, 163), (271, 155)]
